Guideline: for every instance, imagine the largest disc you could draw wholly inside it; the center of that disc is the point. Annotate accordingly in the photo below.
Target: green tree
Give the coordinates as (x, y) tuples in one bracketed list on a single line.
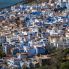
[(64, 65), (66, 51), (2, 54)]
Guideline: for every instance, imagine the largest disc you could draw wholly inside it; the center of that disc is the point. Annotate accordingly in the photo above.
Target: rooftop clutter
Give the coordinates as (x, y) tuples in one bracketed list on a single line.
[(26, 31)]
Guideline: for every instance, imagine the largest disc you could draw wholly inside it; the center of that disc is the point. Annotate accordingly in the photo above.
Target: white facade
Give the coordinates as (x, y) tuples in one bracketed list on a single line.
[(63, 2)]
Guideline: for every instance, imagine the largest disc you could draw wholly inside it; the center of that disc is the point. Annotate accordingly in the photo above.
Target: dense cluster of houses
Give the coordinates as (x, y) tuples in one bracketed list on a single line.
[(26, 30)]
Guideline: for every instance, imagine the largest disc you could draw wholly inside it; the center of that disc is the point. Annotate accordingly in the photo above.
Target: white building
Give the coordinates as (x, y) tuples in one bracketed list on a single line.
[(63, 3), (2, 39)]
